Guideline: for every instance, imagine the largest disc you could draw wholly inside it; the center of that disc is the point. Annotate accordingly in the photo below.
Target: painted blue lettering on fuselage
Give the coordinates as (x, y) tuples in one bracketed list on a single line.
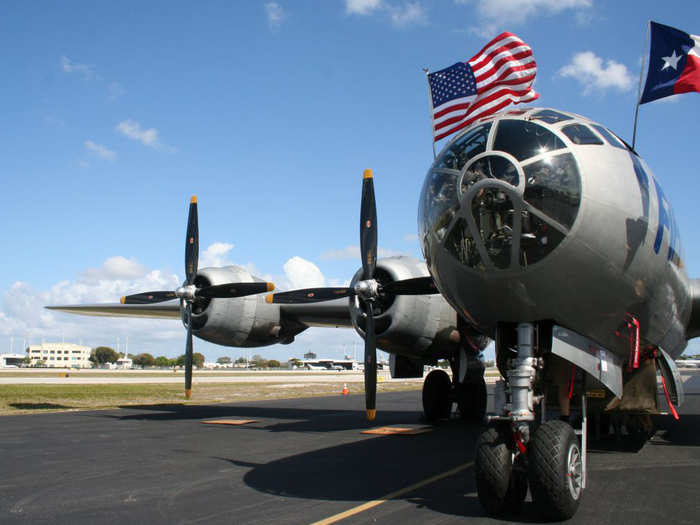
[(643, 180), (668, 221)]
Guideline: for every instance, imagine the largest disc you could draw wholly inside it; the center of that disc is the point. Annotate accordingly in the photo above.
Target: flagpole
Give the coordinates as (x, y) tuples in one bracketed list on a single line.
[(639, 87), (430, 99)]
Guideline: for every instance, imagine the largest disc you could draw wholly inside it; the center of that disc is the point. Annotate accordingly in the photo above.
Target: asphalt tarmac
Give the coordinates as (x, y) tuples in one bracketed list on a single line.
[(306, 460)]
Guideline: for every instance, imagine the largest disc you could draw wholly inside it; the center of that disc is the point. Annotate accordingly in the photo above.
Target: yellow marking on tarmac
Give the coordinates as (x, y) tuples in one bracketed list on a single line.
[(229, 421), (375, 503), (391, 431)]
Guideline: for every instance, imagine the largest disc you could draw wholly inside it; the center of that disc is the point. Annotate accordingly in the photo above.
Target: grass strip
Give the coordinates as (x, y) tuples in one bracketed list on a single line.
[(30, 399)]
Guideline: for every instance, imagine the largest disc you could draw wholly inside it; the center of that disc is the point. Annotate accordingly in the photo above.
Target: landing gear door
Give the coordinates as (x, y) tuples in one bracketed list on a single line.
[(600, 363), (672, 377)]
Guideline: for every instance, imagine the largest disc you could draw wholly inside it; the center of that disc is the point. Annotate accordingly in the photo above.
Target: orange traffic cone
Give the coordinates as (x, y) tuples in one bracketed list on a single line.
[(345, 391)]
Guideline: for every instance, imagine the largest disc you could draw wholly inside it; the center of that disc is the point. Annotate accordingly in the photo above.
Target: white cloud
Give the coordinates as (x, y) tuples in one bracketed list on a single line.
[(148, 137), (401, 15), (114, 268), (22, 312), (275, 14), (362, 7), (410, 237), (216, 255), (301, 273), (71, 67), (132, 129), (495, 15), (101, 151), (588, 69), (411, 13)]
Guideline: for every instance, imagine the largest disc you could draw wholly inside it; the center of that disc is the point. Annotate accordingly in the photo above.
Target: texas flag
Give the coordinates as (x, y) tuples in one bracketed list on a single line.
[(674, 63)]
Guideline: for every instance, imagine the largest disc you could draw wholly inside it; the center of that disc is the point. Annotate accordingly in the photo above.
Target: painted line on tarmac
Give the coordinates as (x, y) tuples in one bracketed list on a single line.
[(393, 495)]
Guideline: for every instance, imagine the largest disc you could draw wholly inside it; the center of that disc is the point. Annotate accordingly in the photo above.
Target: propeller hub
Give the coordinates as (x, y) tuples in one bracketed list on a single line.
[(367, 290), (186, 292)]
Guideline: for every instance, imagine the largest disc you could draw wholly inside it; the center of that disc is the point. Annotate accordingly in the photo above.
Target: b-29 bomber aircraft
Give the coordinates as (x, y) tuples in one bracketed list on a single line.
[(541, 230)]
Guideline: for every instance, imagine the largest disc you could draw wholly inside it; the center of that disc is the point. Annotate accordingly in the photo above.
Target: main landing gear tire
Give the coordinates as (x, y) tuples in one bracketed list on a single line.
[(436, 396), (471, 400), (500, 485), (556, 470)]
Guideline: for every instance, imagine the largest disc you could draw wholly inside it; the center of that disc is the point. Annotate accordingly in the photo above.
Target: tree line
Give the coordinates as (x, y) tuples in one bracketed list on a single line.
[(104, 354)]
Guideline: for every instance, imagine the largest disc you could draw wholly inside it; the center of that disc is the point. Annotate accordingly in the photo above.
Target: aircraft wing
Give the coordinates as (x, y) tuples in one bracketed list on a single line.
[(166, 310), (329, 314)]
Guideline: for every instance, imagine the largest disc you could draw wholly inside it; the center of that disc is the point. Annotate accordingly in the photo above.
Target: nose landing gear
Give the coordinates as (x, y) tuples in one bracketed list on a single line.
[(520, 449)]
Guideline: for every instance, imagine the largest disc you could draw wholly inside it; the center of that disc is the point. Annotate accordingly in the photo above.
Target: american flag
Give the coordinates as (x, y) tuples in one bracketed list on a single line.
[(501, 73)]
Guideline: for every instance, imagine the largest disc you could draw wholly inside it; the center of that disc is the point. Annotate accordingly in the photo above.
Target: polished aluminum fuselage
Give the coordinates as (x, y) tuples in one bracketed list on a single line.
[(613, 263)]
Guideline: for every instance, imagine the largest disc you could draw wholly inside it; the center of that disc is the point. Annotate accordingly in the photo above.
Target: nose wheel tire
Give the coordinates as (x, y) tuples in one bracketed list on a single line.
[(501, 486), (556, 470), (436, 396)]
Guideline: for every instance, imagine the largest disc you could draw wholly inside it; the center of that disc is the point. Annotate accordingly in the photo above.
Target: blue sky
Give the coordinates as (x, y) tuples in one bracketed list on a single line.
[(115, 113)]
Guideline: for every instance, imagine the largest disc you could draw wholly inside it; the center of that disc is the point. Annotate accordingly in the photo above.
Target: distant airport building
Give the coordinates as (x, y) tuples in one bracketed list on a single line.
[(328, 364), (125, 362), (11, 360), (60, 355)]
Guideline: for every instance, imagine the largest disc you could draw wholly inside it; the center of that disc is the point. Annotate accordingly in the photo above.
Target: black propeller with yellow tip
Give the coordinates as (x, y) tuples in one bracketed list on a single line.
[(367, 289), (188, 293)]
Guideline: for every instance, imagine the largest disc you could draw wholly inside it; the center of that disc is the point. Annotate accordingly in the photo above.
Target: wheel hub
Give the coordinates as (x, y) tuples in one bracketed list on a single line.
[(574, 472)]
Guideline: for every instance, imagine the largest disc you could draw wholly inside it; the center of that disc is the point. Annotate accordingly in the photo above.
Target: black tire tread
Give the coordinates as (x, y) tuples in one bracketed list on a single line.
[(493, 469), (547, 470)]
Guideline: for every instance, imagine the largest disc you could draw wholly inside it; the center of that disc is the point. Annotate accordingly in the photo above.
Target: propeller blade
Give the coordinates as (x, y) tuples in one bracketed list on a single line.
[(148, 297), (229, 290), (188, 353), (192, 243), (370, 365), (309, 295), (368, 226), (416, 286)]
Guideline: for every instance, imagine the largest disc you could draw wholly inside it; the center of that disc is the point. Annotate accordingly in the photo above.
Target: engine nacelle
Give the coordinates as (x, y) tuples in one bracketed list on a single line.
[(420, 327), (242, 322)]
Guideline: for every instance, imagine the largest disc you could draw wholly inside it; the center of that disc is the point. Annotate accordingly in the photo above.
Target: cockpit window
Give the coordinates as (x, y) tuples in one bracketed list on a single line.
[(490, 167), (550, 116), (580, 134), (524, 139), (464, 148), (607, 135), (553, 187), (439, 200)]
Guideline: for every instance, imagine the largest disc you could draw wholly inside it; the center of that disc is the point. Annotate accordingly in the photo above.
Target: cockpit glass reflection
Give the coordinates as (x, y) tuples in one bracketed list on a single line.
[(439, 201), (550, 116), (537, 239), (505, 193), (464, 148), (524, 139), (580, 134), (490, 167), (553, 186), (612, 139)]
